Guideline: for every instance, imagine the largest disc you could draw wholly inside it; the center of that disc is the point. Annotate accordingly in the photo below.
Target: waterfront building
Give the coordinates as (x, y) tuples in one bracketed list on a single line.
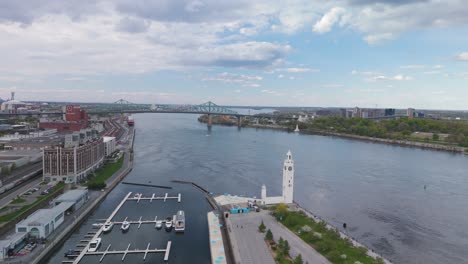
[(44, 221), (78, 197), (288, 184), (109, 145), (72, 164)]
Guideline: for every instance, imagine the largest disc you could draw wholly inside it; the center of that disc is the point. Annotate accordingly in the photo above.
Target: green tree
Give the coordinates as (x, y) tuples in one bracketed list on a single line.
[(435, 137), (261, 227), (298, 259), (281, 210), (269, 235)]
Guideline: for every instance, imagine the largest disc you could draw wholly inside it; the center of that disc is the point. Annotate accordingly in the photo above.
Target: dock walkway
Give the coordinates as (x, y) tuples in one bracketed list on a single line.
[(218, 255)]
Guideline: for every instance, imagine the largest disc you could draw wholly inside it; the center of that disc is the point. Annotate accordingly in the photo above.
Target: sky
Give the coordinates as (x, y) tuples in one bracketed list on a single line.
[(336, 53)]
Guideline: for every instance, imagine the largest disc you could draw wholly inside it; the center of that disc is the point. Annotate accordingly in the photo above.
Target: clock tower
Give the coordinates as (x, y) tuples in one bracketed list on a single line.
[(288, 178)]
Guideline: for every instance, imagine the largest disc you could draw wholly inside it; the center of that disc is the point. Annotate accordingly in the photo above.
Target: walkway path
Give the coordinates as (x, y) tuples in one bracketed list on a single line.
[(244, 228)]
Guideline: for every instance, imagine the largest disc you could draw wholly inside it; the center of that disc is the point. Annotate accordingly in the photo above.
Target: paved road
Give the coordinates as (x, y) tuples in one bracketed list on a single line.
[(7, 198), (249, 233), (248, 244)]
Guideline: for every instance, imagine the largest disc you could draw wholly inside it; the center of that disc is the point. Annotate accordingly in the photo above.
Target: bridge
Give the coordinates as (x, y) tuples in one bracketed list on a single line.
[(123, 106)]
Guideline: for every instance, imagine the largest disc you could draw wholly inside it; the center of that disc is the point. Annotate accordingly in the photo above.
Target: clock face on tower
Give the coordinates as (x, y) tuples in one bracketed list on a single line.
[(290, 168)]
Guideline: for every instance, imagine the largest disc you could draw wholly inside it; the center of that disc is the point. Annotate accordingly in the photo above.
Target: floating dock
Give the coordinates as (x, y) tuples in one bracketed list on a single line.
[(139, 198)]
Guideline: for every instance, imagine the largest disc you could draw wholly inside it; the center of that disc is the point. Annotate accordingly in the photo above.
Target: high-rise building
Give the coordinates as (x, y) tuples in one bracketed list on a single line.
[(410, 112)]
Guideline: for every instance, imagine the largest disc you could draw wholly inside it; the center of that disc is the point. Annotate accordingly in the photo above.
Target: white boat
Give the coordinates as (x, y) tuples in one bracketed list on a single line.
[(159, 224), (94, 245), (168, 223), (107, 227), (137, 195), (125, 226), (97, 225), (179, 224)]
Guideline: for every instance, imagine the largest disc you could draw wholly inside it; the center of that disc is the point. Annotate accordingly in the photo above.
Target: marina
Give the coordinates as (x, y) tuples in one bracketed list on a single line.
[(90, 246)]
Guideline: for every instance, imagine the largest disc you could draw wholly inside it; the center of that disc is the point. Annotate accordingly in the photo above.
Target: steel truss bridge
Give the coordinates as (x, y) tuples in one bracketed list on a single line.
[(125, 107)]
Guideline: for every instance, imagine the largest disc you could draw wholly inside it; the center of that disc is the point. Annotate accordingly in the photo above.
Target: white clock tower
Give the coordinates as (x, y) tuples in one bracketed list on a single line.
[(288, 178)]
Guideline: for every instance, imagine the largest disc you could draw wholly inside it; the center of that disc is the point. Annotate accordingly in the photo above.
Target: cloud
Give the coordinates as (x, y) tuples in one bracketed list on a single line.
[(438, 66), (463, 56), (411, 67), (280, 76), (240, 55), (398, 77), (300, 70), (238, 79), (432, 72), (133, 25), (328, 20), (355, 72)]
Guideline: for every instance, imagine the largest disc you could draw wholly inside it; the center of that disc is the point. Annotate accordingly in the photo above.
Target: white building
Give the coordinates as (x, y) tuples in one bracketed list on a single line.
[(288, 184), (78, 197), (109, 143), (44, 221)]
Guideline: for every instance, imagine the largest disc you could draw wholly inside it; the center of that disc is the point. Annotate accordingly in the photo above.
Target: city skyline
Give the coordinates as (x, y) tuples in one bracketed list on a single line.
[(304, 53)]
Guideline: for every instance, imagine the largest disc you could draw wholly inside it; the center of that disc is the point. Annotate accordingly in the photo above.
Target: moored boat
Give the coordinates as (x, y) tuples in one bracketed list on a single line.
[(125, 226), (168, 223), (107, 227), (179, 223), (94, 245)]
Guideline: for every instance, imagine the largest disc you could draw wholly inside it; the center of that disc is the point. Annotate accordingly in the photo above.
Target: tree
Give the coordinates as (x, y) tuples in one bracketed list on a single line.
[(286, 247), (281, 210), (298, 259), (435, 137), (269, 235), (261, 227)]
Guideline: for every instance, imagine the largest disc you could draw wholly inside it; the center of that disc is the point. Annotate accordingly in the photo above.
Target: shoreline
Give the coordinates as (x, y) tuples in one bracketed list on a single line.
[(402, 143), (370, 252)]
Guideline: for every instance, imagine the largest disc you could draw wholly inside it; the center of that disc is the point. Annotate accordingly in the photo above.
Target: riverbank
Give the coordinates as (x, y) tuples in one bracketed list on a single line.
[(406, 143), (111, 183)]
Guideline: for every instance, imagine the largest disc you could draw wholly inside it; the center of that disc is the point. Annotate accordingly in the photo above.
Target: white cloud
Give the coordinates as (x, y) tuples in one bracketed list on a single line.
[(438, 66), (463, 56), (355, 72), (411, 67), (326, 23), (300, 70), (398, 77), (281, 76)]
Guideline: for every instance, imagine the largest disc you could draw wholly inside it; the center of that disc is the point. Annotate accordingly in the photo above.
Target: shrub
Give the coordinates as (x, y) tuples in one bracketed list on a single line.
[(269, 235), (96, 185), (261, 227)]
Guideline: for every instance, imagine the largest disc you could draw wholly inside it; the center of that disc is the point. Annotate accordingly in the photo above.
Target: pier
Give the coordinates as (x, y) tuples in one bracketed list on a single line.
[(139, 198), (90, 236), (218, 255), (132, 251)]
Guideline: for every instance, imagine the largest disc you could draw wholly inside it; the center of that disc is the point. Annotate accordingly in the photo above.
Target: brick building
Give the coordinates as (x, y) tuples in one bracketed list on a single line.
[(74, 119), (72, 164)]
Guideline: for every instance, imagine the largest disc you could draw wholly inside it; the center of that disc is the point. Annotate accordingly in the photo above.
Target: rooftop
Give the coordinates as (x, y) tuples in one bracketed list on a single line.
[(44, 216), (71, 195)]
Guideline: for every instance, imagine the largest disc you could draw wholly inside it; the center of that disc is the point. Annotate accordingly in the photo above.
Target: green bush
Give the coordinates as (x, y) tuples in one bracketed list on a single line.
[(96, 185)]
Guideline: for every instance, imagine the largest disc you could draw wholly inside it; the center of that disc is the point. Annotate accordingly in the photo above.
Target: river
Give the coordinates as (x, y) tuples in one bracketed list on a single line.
[(377, 189)]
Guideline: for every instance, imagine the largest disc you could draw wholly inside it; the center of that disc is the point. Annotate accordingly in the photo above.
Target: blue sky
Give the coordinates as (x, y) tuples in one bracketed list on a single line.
[(343, 53)]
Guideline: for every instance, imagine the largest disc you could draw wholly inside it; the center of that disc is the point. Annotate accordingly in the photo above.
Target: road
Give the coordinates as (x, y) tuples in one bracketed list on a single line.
[(248, 245), (252, 245), (23, 188), (17, 173)]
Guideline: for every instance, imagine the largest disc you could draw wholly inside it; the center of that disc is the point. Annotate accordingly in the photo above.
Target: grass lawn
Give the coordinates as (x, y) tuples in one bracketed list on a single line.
[(18, 200), (326, 242), (104, 173), (18, 213)]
